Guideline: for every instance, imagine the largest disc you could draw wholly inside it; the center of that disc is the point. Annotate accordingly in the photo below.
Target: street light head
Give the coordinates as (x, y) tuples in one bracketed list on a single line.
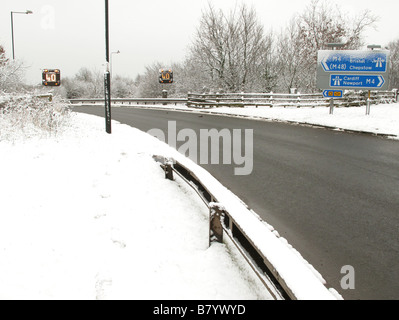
[(373, 46), (29, 12), (336, 45)]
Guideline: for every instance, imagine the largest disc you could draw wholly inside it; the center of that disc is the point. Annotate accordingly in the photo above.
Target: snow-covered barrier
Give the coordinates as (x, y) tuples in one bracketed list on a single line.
[(351, 98), (285, 273), (130, 101)]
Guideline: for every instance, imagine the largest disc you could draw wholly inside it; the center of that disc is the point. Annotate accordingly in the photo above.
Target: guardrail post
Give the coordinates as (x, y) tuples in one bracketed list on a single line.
[(217, 99), (164, 96), (368, 104), (216, 218), (271, 99), (46, 96), (168, 169), (395, 92), (188, 99), (331, 106)]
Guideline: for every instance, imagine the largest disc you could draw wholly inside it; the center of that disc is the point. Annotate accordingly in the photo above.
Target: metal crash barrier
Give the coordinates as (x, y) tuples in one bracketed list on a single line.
[(222, 223)]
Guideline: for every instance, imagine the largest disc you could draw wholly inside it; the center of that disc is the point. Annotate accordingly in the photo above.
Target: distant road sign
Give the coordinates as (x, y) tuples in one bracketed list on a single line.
[(350, 69), (51, 77), (165, 76), (354, 61), (356, 81), (333, 94)]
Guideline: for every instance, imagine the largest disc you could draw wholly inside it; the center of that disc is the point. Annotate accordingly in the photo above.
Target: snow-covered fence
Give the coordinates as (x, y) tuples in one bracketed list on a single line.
[(298, 100), (283, 271), (271, 99), (131, 101)]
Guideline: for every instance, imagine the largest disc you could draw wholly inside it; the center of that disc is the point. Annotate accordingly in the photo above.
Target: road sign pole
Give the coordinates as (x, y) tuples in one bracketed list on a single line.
[(368, 104), (331, 106)]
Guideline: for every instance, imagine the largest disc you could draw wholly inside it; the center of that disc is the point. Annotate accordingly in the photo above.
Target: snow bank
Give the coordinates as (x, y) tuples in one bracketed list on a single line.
[(383, 119), (86, 215)]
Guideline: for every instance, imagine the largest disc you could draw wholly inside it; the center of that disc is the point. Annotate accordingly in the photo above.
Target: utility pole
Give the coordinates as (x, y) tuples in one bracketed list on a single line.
[(12, 35), (107, 75)]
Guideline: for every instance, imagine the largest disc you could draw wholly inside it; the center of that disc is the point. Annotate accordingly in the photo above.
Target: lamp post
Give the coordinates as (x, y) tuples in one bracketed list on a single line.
[(107, 77), (12, 28), (110, 65)]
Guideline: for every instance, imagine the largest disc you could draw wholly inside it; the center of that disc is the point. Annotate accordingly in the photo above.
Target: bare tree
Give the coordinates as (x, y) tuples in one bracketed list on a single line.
[(208, 50), (232, 49), (394, 65), (86, 83), (3, 58), (290, 57), (123, 87), (320, 23), (252, 49), (355, 31), (11, 73)]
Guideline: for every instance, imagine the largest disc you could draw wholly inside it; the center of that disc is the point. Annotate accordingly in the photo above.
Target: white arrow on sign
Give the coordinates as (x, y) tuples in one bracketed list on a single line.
[(324, 63), (381, 81)]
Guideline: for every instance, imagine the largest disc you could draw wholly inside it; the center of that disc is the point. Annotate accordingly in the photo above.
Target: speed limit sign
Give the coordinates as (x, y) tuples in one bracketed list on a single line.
[(165, 76), (51, 77)]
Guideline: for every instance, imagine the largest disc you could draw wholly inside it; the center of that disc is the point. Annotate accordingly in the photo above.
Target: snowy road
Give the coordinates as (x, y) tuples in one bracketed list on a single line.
[(332, 195)]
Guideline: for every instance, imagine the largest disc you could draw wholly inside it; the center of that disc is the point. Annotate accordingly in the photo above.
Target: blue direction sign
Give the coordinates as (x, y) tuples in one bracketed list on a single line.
[(354, 61), (356, 81), (333, 94)]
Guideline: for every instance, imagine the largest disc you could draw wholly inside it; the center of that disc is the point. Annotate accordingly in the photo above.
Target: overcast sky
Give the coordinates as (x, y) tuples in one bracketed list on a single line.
[(70, 34)]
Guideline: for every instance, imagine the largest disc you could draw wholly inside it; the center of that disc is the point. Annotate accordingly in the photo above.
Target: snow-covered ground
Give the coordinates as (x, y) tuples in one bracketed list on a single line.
[(86, 215), (383, 118)]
